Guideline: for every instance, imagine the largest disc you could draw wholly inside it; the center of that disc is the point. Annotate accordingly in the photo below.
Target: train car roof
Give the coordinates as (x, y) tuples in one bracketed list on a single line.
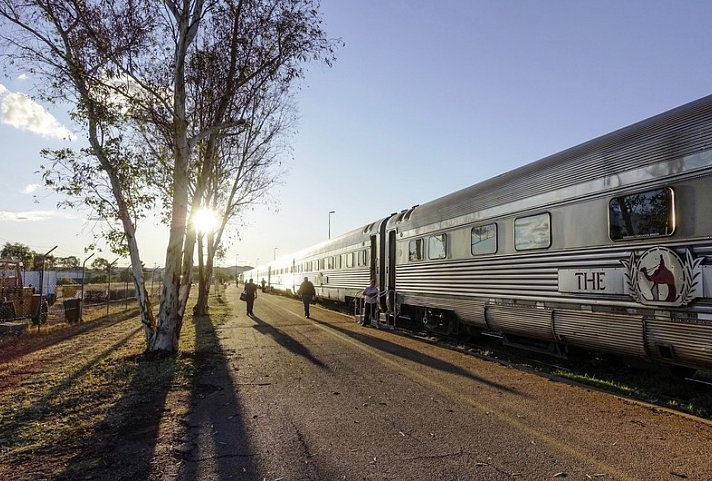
[(673, 134), (350, 238)]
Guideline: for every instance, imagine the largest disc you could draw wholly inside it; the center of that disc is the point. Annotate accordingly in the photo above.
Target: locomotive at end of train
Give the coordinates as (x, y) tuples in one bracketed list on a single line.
[(605, 246)]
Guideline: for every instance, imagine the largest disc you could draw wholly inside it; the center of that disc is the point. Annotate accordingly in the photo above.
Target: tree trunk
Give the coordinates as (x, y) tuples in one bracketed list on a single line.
[(201, 306), (144, 301), (181, 241)]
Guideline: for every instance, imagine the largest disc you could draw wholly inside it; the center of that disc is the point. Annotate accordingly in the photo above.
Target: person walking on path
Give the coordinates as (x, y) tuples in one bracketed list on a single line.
[(250, 294), (307, 293), (370, 295)]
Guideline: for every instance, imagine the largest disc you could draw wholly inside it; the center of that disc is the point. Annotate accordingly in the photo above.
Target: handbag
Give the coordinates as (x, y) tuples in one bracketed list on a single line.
[(243, 296)]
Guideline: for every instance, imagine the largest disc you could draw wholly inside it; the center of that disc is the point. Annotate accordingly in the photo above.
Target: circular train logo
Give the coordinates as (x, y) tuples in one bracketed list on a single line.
[(658, 277)]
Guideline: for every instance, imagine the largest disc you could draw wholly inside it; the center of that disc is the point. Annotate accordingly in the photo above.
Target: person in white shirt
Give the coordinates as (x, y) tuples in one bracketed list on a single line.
[(370, 295)]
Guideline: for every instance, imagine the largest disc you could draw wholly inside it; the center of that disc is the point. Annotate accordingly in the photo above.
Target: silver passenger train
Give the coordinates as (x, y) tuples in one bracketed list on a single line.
[(605, 246)]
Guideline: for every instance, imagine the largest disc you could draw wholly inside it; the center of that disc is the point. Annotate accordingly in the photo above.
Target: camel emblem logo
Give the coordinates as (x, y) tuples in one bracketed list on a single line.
[(658, 277)]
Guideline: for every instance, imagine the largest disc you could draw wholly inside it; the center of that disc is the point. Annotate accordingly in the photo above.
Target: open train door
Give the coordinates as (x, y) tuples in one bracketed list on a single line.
[(391, 275)]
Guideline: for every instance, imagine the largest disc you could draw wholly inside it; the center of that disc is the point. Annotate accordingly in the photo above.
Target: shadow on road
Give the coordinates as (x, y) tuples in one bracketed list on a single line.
[(216, 425), (286, 341), (415, 356)]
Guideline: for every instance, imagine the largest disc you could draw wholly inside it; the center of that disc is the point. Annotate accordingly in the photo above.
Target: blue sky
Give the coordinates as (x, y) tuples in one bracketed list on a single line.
[(425, 98)]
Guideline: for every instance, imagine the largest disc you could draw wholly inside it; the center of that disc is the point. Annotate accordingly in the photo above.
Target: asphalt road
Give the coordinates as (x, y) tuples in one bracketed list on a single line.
[(291, 398)]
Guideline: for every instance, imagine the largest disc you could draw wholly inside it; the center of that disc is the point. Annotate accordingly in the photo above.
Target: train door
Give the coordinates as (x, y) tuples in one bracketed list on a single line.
[(391, 273), (373, 259), (294, 276)]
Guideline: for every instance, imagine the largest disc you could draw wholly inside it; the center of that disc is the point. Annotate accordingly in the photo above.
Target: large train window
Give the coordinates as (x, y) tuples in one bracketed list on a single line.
[(437, 246), (350, 259), (644, 214), (484, 239), (415, 250), (532, 232)]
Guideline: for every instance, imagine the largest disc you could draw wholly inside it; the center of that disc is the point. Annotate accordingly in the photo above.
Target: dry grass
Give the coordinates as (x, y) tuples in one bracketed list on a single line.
[(67, 393)]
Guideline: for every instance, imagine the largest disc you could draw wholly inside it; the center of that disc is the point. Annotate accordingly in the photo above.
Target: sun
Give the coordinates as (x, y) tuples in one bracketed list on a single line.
[(205, 220)]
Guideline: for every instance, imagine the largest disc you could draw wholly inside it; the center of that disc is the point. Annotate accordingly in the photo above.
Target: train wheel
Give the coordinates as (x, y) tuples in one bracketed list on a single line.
[(438, 322)]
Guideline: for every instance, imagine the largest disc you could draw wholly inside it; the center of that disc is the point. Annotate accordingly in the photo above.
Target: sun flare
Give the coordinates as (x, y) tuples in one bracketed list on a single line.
[(205, 220)]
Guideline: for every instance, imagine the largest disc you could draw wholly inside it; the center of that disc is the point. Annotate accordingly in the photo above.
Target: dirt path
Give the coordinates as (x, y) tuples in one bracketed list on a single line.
[(292, 398)]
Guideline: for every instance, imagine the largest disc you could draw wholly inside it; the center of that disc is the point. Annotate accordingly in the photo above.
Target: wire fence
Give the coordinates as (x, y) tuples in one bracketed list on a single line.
[(64, 306)]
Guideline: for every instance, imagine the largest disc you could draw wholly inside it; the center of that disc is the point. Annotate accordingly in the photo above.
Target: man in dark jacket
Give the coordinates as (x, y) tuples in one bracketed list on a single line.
[(307, 293), (250, 294)]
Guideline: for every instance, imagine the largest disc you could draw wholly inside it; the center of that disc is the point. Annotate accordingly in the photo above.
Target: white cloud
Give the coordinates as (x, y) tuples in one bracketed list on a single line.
[(21, 112), (31, 188), (32, 216)]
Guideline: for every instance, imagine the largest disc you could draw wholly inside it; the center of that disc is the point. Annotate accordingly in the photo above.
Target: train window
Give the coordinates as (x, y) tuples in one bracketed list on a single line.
[(362, 258), (645, 214), (415, 250), (330, 264), (437, 246), (350, 259), (532, 232), (484, 239)]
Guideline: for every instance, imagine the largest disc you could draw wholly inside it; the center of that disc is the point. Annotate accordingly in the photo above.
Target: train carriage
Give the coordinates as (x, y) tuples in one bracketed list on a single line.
[(604, 246), (339, 269), (557, 250)]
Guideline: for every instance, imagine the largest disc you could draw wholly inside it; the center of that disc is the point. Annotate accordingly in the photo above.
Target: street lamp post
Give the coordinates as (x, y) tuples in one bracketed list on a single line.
[(330, 212)]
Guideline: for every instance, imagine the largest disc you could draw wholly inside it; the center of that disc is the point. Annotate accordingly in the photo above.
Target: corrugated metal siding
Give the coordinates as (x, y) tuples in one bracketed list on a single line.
[(598, 331), (341, 283), (467, 287), (524, 276), (690, 343), (527, 322)]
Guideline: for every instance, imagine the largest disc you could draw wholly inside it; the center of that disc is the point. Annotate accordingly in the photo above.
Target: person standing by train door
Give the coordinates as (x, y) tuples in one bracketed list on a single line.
[(250, 295), (307, 292), (370, 297)]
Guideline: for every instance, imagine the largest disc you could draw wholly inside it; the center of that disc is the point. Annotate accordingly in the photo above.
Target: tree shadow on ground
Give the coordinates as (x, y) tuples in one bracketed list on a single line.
[(414, 356), (286, 341), (217, 441), (28, 343), (121, 447)]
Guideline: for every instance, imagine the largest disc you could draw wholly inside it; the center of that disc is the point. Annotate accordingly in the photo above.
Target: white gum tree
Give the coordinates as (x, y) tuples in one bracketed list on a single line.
[(151, 82)]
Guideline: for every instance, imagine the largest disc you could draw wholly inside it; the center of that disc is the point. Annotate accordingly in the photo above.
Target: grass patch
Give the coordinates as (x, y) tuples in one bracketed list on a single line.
[(68, 392), (603, 384)]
